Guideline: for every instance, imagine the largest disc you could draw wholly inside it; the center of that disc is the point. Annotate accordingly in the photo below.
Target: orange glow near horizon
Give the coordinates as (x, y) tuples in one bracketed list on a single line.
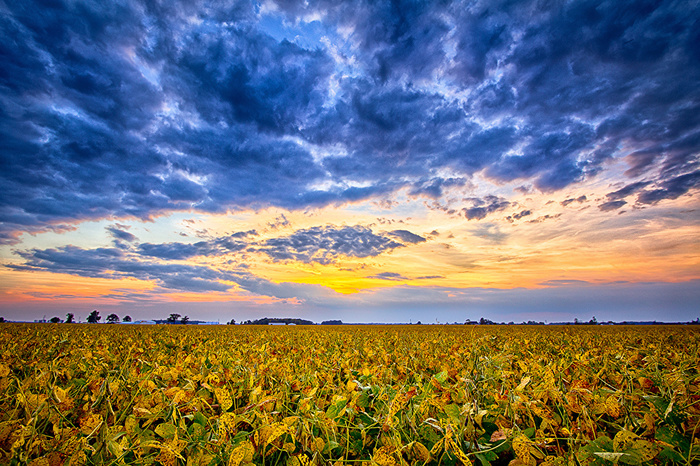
[(558, 244)]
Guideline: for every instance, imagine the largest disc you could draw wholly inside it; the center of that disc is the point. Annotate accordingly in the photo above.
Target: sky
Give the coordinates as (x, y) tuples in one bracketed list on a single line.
[(362, 161)]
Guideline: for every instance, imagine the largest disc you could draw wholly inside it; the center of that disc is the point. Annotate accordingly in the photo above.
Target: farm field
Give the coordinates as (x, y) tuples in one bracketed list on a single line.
[(321, 395)]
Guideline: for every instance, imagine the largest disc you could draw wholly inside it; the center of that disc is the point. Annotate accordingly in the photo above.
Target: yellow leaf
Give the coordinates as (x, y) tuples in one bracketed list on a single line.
[(623, 440), (227, 424), (420, 452), (223, 397), (523, 383), (59, 394), (317, 445), (91, 424), (383, 457), (237, 455), (522, 448), (4, 370), (457, 451), (277, 430)]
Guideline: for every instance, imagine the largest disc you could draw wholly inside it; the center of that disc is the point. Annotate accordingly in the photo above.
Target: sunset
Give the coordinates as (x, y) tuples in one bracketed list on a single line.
[(365, 162)]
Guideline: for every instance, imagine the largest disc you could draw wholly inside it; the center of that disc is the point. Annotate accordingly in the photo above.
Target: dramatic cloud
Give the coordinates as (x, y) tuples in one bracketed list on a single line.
[(114, 263), (130, 109), (326, 245)]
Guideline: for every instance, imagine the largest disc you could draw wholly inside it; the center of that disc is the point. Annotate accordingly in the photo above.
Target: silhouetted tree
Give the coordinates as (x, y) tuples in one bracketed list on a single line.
[(185, 320), (112, 318), (94, 317), (55, 320), (173, 318), (69, 318), (2, 319), (231, 322), (126, 319)]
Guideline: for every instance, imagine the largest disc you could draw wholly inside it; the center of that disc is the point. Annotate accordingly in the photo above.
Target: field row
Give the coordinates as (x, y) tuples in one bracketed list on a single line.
[(103, 394)]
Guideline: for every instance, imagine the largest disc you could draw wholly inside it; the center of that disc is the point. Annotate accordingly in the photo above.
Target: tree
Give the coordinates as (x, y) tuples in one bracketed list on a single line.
[(112, 318), (173, 318), (94, 317), (126, 319), (69, 318), (2, 319), (185, 320), (55, 320), (231, 322)]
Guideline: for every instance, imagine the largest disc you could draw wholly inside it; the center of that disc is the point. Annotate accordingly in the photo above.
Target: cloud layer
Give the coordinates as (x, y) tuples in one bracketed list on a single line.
[(130, 109), (168, 265)]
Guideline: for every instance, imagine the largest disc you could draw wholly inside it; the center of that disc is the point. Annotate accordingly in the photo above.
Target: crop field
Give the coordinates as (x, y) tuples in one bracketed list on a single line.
[(318, 395)]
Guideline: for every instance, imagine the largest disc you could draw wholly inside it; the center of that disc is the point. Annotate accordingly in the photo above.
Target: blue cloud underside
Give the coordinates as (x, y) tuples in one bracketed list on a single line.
[(134, 109)]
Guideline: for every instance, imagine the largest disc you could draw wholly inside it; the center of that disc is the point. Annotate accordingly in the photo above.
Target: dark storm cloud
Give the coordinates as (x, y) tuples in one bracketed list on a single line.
[(136, 109), (326, 245)]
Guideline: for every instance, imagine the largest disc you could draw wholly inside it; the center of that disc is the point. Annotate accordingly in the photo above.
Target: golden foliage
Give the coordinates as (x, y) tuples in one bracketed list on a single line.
[(418, 395)]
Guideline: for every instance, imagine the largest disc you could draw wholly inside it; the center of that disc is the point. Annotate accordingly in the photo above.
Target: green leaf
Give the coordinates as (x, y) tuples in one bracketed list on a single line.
[(670, 455), (454, 413), (114, 448), (606, 455), (200, 419), (672, 437), (441, 377), (196, 431), (329, 446), (336, 409), (486, 458), (166, 430), (363, 400)]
